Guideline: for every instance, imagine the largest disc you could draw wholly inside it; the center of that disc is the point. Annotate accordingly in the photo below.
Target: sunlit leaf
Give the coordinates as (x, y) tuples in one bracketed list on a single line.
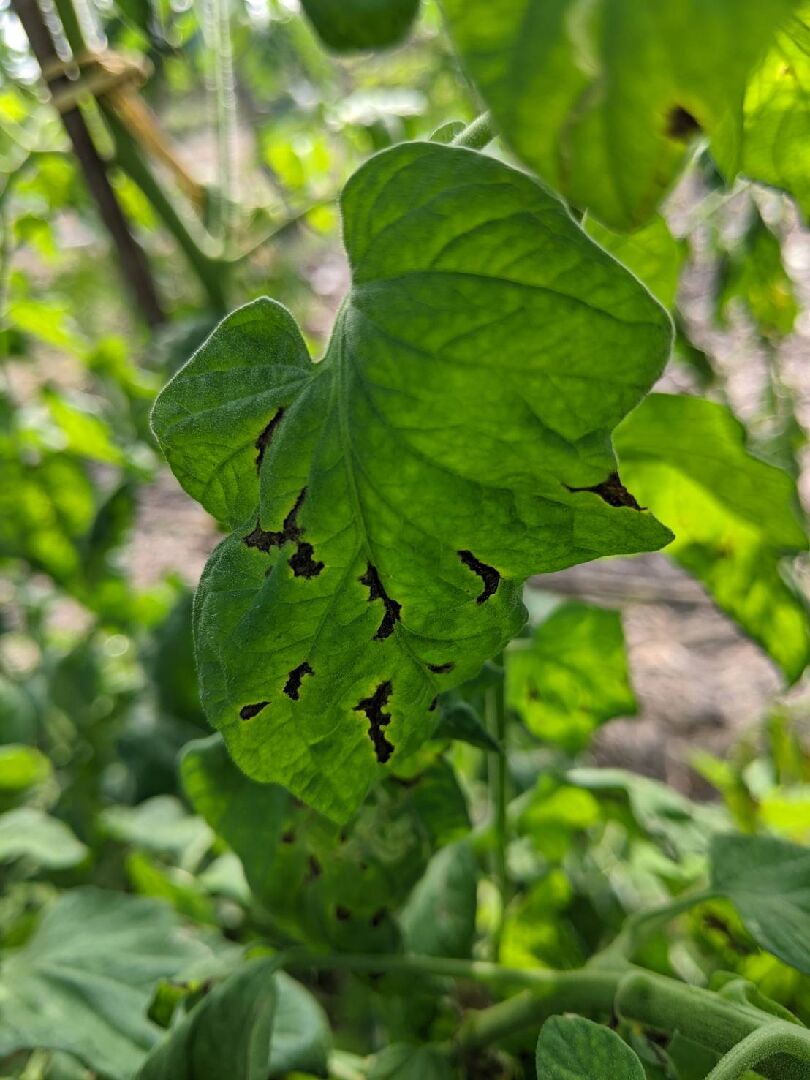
[(734, 517), (389, 501), (602, 100), (571, 675)]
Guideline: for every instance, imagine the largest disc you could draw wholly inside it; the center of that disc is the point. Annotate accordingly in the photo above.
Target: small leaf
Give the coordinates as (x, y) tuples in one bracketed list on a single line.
[(389, 501), (356, 25), (460, 721), (623, 88), (226, 1034), (438, 918), (162, 825), (768, 881), (32, 834), (83, 981), (300, 1038), (734, 516), (21, 767), (571, 676), (571, 1048), (402, 1061)]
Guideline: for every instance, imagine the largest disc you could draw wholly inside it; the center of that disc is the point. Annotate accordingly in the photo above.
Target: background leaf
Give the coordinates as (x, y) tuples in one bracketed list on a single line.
[(571, 1048), (355, 25)]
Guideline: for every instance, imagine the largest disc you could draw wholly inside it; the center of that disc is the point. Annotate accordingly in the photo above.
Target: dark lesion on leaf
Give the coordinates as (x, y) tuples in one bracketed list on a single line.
[(612, 491), (378, 917), (342, 914), (489, 575), (302, 561), (433, 704), (681, 124), (441, 669), (266, 436), (377, 720), (247, 712), (376, 592), (292, 687)]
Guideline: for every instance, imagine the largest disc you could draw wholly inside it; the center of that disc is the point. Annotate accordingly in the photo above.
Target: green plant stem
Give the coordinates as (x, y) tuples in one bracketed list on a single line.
[(656, 1002), (495, 710), (776, 1038), (476, 135), (211, 272)]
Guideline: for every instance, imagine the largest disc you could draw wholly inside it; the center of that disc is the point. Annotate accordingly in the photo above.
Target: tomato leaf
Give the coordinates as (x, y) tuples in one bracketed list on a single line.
[(734, 516), (603, 100), (83, 981), (227, 1033), (572, 1048), (768, 881), (355, 25), (571, 675), (389, 501)]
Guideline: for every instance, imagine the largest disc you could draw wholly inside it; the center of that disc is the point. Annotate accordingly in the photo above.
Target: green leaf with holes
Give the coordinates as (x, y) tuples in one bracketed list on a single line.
[(323, 885), (389, 502), (571, 676), (355, 25), (227, 1033), (572, 1048), (776, 124), (768, 881), (735, 517), (603, 99)]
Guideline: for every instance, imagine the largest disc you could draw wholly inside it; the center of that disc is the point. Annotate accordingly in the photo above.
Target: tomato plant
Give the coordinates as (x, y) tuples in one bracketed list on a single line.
[(394, 856)]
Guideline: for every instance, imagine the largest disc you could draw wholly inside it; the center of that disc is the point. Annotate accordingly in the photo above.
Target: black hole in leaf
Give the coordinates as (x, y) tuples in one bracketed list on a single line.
[(441, 669), (342, 913), (612, 491), (378, 917), (376, 592), (314, 869), (247, 712), (681, 124), (377, 720), (488, 574), (290, 531), (266, 437), (302, 563), (293, 683), (433, 704), (288, 837)]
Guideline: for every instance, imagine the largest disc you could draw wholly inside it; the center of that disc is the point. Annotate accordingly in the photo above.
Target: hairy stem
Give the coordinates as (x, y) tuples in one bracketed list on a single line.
[(476, 135), (776, 1038), (495, 710)]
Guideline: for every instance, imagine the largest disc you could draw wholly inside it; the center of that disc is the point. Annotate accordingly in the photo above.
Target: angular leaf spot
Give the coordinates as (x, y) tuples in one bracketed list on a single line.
[(488, 574), (612, 491), (377, 720), (266, 437), (376, 592), (292, 686), (247, 712)]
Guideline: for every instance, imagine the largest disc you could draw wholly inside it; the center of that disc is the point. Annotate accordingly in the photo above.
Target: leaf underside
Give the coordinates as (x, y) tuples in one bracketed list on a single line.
[(388, 502)]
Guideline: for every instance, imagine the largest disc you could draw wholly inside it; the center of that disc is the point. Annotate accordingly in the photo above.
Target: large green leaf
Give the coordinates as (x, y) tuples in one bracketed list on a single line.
[(226, 1034), (571, 675), (389, 501), (602, 99), (83, 981), (354, 25), (768, 881), (776, 129), (654, 255), (572, 1048), (301, 1037), (325, 885), (734, 516)]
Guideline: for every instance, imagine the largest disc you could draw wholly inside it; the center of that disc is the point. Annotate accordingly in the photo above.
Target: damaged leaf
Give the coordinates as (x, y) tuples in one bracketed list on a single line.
[(454, 440)]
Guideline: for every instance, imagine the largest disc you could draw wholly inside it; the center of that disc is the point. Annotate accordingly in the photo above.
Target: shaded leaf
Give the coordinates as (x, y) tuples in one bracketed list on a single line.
[(393, 532), (300, 1038), (623, 88), (571, 675), (29, 833), (227, 1033), (162, 825), (733, 515), (768, 881), (438, 918), (572, 1048), (355, 25), (83, 981), (402, 1061)]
